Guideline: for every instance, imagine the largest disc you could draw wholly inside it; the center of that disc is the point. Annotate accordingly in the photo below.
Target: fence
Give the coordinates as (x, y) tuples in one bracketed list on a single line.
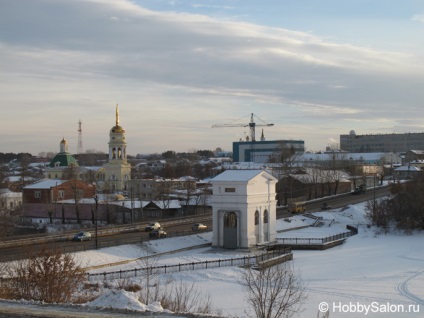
[(165, 269), (323, 240)]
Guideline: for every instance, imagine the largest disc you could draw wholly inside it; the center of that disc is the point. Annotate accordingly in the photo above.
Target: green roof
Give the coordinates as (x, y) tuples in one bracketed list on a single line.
[(64, 159)]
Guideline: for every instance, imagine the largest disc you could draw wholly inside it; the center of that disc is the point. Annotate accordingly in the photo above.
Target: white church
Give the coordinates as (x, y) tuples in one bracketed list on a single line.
[(243, 209)]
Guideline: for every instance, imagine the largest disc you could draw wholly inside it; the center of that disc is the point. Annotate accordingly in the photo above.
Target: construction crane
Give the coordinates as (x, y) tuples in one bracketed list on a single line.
[(252, 125)]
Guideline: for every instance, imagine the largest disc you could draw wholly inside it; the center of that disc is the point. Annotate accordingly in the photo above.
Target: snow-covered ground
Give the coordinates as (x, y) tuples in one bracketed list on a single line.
[(372, 274)]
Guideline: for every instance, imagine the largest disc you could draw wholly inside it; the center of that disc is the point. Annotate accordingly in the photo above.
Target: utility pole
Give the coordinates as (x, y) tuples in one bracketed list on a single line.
[(96, 199)]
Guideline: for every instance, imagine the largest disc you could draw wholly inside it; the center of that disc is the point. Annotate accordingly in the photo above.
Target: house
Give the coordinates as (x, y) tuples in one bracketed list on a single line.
[(310, 183), (9, 200), (414, 155), (243, 208), (154, 189), (406, 172), (41, 199)]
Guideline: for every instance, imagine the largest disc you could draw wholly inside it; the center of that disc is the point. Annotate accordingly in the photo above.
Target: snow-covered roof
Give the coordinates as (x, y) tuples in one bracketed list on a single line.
[(237, 175), (418, 152), (408, 168), (6, 193), (354, 156), (167, 204), (45, 184)]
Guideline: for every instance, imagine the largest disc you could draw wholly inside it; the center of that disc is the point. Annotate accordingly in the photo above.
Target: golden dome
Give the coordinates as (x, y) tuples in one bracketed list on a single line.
[(117, 129)]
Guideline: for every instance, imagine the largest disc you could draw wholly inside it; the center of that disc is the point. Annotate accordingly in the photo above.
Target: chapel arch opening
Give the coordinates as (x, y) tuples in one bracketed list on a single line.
[(230, 230)]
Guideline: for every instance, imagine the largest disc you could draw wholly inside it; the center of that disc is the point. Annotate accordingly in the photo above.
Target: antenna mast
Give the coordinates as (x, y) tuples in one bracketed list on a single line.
[(79, 150)]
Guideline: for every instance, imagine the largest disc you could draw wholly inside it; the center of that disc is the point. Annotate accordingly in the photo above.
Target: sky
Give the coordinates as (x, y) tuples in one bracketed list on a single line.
[(314, 69)]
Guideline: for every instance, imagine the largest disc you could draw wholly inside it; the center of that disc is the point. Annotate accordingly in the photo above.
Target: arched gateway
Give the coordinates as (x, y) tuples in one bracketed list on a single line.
[(244, 208)]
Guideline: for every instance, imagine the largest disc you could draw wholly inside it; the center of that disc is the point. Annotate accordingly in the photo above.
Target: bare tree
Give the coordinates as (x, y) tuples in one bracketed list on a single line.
[(48, 276), (77, 193), (273, 292), (186, 297), (150, 292)]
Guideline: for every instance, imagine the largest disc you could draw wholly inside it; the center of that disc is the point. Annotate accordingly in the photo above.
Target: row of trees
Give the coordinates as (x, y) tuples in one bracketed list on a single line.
[(405, 209)]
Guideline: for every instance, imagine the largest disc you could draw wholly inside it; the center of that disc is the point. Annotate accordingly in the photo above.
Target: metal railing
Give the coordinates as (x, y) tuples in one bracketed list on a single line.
[(322, 240), (156, 270)]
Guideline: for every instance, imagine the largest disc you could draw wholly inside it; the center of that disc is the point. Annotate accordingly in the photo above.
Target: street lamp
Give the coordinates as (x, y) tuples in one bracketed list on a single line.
[(96, 199)]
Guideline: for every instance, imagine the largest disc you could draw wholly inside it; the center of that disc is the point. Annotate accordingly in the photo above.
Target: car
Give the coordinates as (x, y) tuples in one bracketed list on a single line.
[(82, 236), (199, 227), (158, 233), (325, 206), (152, 226), (360, 189)]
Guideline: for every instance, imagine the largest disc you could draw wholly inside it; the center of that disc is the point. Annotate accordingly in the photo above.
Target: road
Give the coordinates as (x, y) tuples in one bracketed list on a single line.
[(174, 228)]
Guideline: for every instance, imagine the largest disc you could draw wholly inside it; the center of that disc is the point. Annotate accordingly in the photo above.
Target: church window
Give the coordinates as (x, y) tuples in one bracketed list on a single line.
[(266, 216), (256, 217)]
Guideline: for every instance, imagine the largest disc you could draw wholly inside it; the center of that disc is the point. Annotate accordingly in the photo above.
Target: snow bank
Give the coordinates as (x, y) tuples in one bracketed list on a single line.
[(121, 299)]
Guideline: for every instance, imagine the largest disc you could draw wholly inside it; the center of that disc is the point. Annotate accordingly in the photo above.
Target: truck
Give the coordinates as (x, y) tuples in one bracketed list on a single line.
[(297, 207)]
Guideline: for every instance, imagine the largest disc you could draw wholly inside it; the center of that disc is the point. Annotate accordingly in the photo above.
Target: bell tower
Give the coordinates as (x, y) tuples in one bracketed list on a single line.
[(117, 170)]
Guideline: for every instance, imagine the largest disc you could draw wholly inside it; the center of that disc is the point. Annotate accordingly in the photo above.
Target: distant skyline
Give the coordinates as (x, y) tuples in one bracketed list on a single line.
[(315, 69)]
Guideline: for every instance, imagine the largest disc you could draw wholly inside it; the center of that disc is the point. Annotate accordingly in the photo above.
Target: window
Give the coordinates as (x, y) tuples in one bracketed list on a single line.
[(256, 217), (230, 189), (266, 216), (37, 194), (61, 194)]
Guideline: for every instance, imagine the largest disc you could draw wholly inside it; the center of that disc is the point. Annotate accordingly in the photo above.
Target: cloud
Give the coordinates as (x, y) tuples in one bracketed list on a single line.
[(177, 74), (418, 18)]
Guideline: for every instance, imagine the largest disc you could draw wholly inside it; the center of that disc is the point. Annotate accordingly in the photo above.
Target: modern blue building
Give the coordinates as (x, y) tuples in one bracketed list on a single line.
[(263, 151)]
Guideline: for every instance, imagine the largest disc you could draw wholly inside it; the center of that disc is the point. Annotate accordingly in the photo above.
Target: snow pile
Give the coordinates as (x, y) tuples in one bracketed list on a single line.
[(121, 299)]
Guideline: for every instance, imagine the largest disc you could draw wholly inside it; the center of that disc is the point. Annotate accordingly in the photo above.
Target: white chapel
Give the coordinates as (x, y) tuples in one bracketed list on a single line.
[(243, 209)]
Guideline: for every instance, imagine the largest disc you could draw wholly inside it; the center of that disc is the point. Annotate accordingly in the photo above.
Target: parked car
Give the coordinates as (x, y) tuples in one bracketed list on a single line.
[(158, 233), (152, 226), (82, 236), (325, 206), (199, 227)]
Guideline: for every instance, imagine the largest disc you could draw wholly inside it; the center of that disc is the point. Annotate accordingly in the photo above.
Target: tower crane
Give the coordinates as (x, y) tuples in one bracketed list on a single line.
[(251, 125)]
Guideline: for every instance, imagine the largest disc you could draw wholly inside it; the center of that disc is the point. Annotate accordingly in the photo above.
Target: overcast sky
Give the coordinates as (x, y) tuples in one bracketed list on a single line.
[(315, 69)]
